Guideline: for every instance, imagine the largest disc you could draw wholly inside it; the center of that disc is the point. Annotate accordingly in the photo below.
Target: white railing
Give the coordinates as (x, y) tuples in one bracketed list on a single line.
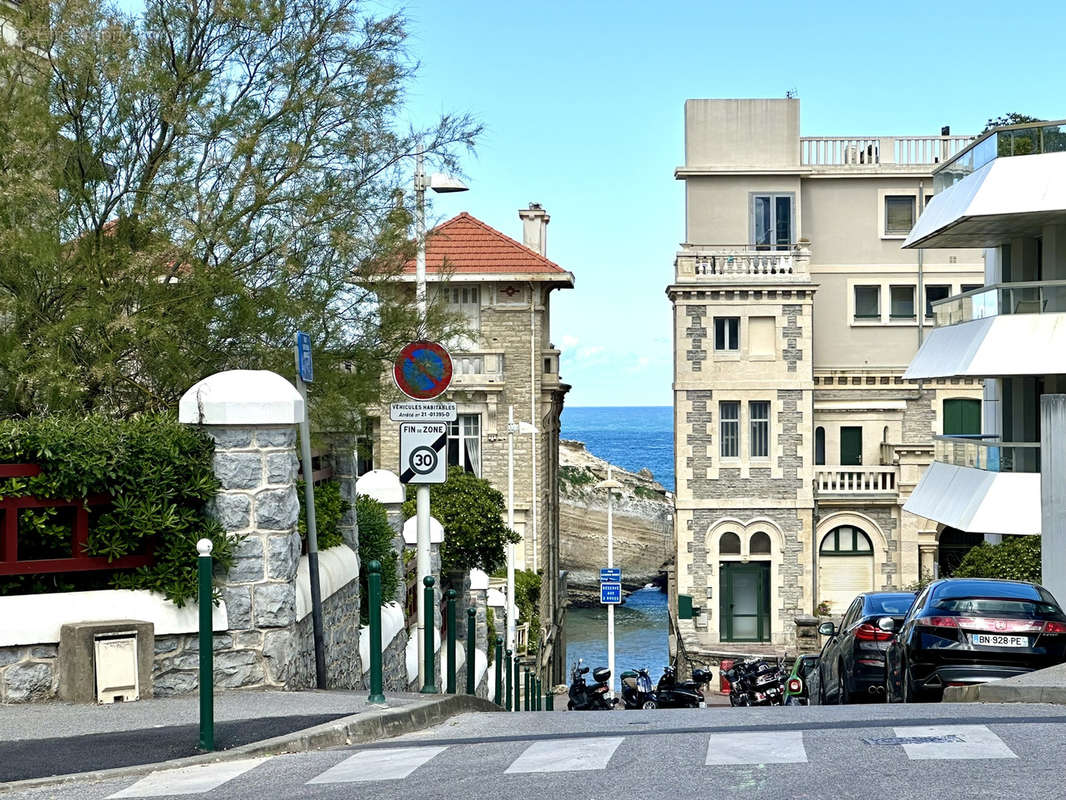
[(743, 264), (477, 368), (855, 480), (840, 151)]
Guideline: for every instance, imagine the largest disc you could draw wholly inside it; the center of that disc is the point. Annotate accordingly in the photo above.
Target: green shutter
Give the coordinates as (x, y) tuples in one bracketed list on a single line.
[(684, 606), (962, 416)]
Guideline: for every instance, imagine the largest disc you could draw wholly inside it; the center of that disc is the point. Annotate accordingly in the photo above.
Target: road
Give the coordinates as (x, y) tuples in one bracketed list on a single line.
[(919, 751)]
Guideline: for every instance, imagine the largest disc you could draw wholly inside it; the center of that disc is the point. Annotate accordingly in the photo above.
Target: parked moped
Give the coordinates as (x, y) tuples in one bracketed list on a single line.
[(589, 697)]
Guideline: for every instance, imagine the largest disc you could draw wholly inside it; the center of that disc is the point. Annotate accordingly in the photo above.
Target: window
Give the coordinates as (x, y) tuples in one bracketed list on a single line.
[(761, 337), (759, 544), (962, 416), (771, 221), (867, 302), (759, 418), (819, 445), (464, 443), (901, 302), (934, 294), (729, 430), (969, 287), (727, 333), (729, 544), (846, 540), (899, 214)]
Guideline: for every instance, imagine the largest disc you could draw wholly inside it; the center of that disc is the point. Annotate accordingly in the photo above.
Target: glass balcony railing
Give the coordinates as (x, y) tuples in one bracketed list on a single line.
[(988, 453), (1014, 140), (1024, 297)]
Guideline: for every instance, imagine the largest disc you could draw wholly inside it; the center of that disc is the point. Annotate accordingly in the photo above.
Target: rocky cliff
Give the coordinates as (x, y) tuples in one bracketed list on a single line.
[(643, 524)]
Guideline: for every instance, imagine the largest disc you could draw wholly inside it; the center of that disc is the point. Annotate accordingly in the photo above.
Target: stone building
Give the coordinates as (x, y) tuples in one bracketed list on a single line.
[(503, 290), (797, 440)]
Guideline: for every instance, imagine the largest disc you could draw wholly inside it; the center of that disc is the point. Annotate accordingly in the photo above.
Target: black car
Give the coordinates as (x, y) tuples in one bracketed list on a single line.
[(970, 630), (852, 664)]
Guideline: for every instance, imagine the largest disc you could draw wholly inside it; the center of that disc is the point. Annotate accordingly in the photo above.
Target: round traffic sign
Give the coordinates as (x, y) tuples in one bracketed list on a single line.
[(423, 370), (423, 460)]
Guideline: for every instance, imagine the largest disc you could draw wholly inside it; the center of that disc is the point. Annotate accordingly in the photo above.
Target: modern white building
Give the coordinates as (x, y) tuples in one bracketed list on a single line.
[(1005, 193)]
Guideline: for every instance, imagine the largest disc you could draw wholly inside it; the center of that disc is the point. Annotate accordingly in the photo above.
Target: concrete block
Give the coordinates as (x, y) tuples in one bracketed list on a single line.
[(77, 683)]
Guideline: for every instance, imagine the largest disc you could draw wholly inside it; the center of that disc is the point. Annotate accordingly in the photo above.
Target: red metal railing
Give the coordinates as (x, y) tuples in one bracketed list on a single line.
[(79, 560)]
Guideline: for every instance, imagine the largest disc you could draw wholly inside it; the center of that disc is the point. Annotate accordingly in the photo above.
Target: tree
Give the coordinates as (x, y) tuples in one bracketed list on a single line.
[(471, 512), (1016, 558), (182, 190), (1008, 119)]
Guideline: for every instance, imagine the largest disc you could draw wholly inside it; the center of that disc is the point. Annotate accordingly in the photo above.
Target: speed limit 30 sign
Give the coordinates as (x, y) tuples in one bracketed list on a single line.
[(423, 452)]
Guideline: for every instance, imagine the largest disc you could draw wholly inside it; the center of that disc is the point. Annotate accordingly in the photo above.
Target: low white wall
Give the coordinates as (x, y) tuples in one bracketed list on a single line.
[(412, 652), (337, 567), (37, 618), (392, 619)]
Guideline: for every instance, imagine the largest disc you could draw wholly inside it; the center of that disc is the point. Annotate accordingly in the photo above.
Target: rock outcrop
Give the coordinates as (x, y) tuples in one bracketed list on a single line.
[(642, 517)]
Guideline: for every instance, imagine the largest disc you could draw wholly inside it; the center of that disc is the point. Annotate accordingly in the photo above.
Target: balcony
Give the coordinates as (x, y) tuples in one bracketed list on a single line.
[(742, 264), (1025, 139), (989, 453), (477, 369), (1028, 297), (844, 482), (891, 151), (979, 500)]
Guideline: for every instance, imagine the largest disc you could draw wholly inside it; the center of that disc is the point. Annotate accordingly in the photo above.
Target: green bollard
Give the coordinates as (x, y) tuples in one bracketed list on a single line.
[(207, 651), (430, 686), (525, 706), (498, 699), (549, 700), (536, 695), (471, 641), (377, 694), (507, 666), (451, 642), (517, 685)]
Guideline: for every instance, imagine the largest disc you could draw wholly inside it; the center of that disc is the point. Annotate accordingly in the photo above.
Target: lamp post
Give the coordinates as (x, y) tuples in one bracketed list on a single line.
[(438, 183), (611, 485)]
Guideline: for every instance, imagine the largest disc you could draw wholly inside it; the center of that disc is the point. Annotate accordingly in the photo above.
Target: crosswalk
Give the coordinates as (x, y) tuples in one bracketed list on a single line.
[(562, 755)]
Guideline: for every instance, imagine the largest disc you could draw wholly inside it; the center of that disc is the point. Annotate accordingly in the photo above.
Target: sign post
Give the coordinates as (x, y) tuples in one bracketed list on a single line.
[(423, 371), (611, 589), (304, 375)]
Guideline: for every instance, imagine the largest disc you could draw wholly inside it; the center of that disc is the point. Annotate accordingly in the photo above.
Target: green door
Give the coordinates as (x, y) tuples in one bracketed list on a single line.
[(851, 446), (962, 416), (745, 602)]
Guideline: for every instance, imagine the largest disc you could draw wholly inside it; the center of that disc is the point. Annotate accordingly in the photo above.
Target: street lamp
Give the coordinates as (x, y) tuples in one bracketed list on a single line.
[(512, 429), (438, 183), (611, 485)]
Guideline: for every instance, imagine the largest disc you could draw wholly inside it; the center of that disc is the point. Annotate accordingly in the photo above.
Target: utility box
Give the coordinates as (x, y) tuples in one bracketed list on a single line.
[(684, 606), (105, 662), (115, 663)]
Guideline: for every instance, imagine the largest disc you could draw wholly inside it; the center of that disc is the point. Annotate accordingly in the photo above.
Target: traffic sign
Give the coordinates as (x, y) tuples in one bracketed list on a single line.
[(423, 452), (304, 368), (423, 412), (423, 370), (610, 574), (610, 592)]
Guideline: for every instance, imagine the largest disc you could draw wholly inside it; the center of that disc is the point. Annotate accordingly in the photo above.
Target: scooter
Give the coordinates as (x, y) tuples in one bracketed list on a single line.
[(637, 691), (585, 697)]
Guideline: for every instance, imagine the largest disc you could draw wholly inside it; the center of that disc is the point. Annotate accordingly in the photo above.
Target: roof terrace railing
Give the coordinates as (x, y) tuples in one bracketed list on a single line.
[(1024, 297), (843, 151), (988, 452), (1026, 139)]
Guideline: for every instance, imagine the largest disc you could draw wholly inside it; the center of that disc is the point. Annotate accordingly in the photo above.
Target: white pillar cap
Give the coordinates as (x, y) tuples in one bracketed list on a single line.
[(410, 531), (242, 397), (382, 485)]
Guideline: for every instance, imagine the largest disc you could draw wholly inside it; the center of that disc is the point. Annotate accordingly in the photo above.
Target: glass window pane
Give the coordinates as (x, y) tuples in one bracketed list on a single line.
[(759, 413), (727, 333), (934, 294), (783, 220), (762, 221), (760, 543), (729, 414), (899, 214), (902, 302), (867, 302), (729, 544)]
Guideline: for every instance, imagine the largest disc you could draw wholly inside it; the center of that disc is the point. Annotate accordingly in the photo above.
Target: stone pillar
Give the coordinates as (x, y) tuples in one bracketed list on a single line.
[(1053, 494), (343, 460)]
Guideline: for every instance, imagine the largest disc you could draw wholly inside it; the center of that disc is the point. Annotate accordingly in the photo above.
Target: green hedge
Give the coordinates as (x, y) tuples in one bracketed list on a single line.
[(375, 543), (158, 472), (1016, 558), (330, 509)]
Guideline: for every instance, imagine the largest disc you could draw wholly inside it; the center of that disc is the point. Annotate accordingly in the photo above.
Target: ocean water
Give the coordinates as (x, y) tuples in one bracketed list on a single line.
[(640, 632), (633, 437)]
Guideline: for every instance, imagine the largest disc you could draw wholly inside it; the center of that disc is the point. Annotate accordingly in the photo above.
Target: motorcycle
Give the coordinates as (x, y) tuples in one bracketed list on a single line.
[(637, 691), (756, 682), (585, 697)]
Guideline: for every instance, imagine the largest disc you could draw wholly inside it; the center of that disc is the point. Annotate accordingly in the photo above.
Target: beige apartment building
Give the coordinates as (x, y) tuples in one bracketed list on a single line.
[(503, 289), (796, 313)]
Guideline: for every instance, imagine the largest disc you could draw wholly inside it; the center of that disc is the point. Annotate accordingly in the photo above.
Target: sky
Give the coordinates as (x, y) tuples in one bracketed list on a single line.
[(582, 103)]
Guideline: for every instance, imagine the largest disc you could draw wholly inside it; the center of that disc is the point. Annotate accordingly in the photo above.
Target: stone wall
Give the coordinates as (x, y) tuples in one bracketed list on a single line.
[(28, 673)]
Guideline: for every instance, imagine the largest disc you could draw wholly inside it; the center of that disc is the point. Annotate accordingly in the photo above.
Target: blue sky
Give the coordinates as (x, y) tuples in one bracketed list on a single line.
[(582, 105)]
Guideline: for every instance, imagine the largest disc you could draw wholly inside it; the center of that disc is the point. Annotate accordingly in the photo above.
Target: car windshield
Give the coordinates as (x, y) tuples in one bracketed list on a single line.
[(892, 604), (997, 607)]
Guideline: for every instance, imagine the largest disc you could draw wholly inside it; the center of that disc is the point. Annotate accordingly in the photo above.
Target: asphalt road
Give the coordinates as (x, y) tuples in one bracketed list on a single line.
[(919, 751)]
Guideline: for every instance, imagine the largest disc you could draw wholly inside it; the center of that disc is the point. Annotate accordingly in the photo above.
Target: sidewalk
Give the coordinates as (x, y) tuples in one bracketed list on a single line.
[(1042, 686), (41, 741)]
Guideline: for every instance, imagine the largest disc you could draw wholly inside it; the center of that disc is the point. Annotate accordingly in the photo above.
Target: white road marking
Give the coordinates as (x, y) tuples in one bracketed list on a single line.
[(969, 742), (188, 780), (779, 747), (379, 765), (566, 755)]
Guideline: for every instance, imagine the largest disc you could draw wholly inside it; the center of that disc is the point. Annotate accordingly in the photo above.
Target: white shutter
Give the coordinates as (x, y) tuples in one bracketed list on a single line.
[(841, 578)]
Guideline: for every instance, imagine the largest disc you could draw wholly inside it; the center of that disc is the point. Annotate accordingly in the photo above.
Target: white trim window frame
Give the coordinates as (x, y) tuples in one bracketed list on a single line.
[(766, 228), (729, 429), (464, 443), (727, 334), (759, 429)]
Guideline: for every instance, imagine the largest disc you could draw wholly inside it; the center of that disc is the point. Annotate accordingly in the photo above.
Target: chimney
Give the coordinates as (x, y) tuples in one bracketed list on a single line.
[(535, 228)]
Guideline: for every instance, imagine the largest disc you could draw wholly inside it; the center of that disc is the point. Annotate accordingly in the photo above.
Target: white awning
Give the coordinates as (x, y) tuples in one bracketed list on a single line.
[(978, 501), (1009, 344)]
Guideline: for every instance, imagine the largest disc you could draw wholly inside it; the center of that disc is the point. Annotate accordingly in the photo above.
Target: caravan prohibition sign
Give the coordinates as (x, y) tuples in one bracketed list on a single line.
[(423, 370)]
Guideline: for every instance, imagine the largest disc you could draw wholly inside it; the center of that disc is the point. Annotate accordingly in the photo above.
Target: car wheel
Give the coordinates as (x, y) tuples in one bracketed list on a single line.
[(649, 705), (842, 686), (909, 694), (570, 705)]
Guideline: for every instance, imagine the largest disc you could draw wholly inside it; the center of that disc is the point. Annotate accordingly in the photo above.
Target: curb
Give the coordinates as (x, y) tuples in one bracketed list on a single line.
[(999, 692), (355, 729)]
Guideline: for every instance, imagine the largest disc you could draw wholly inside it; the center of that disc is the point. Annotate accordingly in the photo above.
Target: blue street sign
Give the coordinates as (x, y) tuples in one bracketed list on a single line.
[(610, 593), (303, 357), (610, 574)]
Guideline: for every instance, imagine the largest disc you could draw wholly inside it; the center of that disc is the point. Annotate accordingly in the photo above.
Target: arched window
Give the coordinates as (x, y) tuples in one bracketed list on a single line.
[(729, 544), (819, 445), (847, 540), (759, 544), (845, 567), (884, 436)]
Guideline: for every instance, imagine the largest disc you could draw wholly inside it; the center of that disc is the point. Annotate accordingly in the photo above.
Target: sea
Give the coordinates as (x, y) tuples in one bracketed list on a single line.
[(632, 437)]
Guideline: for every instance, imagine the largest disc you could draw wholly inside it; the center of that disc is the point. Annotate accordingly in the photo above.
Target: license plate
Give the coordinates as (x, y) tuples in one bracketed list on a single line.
[(998, 640)]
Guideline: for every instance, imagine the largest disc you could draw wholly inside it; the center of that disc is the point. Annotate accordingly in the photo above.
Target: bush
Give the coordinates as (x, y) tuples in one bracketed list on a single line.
[(490, 624), (330, 509), (1016, 558), (576, 476), (375, 543), (160, 475), (471, 511)]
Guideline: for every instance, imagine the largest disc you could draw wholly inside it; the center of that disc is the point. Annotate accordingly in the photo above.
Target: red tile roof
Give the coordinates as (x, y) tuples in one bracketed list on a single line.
[(466, 245)]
